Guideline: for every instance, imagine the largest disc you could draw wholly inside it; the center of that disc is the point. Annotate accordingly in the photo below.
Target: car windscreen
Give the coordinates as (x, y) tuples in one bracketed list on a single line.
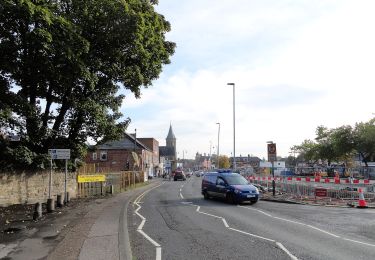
[(236, 180)]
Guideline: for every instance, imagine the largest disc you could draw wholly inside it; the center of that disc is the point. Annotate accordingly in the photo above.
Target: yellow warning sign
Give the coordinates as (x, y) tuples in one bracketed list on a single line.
[(90, 178)]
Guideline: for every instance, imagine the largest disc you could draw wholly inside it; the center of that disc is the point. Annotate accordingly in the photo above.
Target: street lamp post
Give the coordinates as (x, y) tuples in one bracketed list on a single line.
[(218, 145), (234, 126)]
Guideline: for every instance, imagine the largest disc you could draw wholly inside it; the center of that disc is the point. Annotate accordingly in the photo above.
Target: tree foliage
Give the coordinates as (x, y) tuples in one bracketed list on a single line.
[(340, 144), (63, 65), (224, 162)]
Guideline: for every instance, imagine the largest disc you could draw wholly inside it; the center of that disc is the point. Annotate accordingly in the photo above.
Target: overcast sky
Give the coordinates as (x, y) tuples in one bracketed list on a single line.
[(295, 64)]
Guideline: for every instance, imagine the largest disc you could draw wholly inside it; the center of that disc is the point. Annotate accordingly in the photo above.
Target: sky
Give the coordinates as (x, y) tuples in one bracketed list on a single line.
[(296, 65)]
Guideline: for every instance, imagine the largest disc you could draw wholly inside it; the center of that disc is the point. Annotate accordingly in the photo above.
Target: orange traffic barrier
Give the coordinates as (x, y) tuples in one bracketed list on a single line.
[(361, 202)]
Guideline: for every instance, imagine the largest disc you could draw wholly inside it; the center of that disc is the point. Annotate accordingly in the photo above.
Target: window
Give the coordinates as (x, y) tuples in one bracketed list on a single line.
[(220, 181), (94, 156), (103, 155)]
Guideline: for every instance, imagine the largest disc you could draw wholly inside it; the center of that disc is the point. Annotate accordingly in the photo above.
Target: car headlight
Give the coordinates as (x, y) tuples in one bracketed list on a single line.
[(256, 190), (237, 191)]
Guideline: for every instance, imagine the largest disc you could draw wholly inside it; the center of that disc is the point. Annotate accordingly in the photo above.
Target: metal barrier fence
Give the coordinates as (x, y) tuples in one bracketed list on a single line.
[(114, 183), (303, 191), (361, 172)]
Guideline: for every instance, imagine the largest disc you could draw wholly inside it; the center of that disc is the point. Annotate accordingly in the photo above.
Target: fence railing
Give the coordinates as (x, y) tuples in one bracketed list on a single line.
[(305, 191)]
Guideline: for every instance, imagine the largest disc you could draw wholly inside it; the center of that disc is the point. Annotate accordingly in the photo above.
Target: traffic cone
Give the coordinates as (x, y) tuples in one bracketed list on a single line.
[(361, 202)]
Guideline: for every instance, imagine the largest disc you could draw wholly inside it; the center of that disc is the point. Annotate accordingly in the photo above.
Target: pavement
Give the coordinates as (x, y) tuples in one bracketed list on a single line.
[(93, 228)]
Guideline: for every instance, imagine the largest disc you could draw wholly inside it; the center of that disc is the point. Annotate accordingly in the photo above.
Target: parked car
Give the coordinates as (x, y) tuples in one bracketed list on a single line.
[(179, 175), (230, 186), (198, 174)]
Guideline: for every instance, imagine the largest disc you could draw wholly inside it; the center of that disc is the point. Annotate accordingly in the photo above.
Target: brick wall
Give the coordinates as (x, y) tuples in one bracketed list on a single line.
[(28, 188)]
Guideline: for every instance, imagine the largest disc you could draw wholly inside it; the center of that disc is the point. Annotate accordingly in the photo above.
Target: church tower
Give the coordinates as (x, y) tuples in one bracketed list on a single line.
[(171, 140)]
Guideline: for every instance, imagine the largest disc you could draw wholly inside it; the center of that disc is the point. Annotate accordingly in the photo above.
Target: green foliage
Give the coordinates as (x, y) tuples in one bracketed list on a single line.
[(364, 138), (340, 144), (63, 64), (224, 162)]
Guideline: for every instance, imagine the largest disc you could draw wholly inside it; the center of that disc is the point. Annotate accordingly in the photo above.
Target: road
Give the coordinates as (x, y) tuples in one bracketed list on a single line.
[(173, 221)]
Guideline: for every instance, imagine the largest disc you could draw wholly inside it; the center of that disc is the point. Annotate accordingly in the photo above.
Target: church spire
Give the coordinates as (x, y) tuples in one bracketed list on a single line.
[(170, 133)]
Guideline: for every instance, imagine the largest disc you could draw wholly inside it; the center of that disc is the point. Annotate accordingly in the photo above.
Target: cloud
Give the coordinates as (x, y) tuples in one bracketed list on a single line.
[(296, 65)]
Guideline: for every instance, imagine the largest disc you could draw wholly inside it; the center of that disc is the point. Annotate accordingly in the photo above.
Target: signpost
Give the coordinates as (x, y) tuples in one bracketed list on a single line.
[(320, 192), (59, 154), (271, 151)]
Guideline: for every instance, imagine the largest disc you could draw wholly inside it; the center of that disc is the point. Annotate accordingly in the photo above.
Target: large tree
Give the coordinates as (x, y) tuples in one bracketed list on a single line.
[(63, 65), (364, 138), (341, 144)]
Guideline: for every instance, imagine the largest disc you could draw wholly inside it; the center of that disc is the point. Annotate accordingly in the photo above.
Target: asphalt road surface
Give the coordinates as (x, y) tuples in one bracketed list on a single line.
[(173, 221)]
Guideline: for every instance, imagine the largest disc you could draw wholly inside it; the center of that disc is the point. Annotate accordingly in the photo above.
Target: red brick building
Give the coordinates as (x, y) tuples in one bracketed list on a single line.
[(119, 155)]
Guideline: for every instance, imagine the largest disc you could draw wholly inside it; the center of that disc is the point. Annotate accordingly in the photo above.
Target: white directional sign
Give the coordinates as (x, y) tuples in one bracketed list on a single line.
[(59, 153)]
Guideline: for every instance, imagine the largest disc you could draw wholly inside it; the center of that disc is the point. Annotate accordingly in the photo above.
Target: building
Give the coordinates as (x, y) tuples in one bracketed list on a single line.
[(128, 153), (205, 162), (168, 153), (152, 159)]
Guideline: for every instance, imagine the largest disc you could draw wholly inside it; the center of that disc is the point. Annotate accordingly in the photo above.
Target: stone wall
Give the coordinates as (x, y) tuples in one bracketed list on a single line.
[(29, 188)]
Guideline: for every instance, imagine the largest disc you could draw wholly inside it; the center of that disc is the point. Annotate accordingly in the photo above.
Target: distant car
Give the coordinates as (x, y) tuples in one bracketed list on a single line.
[(230, 186), (198, 174), (188, 174), (179, 175)]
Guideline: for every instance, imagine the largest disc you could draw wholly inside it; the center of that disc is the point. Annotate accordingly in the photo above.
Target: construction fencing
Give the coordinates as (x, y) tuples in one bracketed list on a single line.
[(300, 191)]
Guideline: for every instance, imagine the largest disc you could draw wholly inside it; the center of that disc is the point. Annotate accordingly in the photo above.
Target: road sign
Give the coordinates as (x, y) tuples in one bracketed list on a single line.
[(320, 192), (59, 154), (271, 149), (91, 178)]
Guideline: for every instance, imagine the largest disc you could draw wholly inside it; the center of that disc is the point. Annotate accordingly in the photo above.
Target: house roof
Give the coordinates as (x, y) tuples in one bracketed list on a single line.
[(126, 143)]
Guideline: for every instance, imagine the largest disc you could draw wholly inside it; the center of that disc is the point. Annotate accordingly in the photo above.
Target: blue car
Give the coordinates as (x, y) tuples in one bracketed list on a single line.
[(229, 186)]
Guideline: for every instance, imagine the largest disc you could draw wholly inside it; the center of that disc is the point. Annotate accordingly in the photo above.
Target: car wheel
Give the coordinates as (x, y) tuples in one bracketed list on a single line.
[(205, 195), (230, 198)]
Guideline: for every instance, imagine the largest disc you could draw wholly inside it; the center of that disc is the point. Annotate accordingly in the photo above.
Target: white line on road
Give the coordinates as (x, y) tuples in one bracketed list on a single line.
[(149, 238), (142, 224), (288, 220), (225, 222), (253, 235), (286, 251), (326, 232), (208, 214), (158, 253), (140, 227), (247, 233), (359, 242)]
